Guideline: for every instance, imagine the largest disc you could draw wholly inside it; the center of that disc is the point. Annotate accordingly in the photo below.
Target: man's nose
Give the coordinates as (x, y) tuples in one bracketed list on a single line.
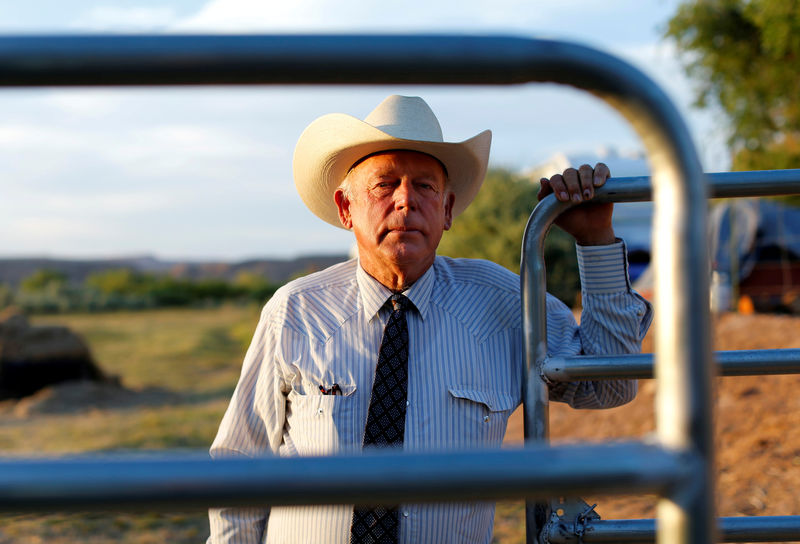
[(405, 196)]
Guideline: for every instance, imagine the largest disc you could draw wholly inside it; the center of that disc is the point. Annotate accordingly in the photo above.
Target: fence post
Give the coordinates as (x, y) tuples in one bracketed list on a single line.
[(683, 355)]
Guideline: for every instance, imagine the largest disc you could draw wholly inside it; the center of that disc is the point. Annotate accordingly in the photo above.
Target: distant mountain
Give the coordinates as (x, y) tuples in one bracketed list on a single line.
[(13, 271)]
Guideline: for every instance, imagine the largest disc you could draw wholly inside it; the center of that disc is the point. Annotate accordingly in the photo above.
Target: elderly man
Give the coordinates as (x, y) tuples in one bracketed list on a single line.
[(401, 347)]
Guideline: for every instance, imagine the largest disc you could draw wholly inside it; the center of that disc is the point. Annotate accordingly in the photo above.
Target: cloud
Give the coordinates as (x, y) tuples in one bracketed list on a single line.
[(92, 103), (522, 16), (116, 18)]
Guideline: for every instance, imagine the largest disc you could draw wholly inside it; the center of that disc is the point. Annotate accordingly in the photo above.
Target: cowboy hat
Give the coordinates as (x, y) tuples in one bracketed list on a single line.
[(332, 144)]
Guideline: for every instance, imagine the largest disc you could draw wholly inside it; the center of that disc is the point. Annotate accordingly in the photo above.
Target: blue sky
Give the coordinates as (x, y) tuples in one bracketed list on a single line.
[(205, 173)]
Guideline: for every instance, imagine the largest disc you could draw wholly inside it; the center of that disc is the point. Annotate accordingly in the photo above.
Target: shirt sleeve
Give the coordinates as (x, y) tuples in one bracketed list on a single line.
[(252, 427), (614, 320)]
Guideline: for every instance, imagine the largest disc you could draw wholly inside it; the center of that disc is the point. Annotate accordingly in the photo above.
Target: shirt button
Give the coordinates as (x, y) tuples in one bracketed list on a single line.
[(319, 411), (408, 403), (405, 514), (485, 419)]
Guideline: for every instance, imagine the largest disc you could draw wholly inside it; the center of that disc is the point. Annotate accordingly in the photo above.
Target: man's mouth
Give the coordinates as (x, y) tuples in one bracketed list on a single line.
[(402, 230)]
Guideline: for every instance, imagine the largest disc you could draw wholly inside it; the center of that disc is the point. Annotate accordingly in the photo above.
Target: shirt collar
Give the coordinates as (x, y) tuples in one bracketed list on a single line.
[(374, 294)]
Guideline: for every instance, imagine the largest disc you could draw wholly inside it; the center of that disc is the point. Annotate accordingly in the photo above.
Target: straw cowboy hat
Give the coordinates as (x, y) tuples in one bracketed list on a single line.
[(330, 145)]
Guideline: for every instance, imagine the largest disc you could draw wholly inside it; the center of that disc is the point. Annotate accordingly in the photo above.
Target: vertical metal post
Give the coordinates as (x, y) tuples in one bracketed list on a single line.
[(682, 365), (536, 406), (683, 356)]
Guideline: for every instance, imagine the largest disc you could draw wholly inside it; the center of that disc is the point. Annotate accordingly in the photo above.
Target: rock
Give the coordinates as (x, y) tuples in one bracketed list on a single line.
[(34, 357)]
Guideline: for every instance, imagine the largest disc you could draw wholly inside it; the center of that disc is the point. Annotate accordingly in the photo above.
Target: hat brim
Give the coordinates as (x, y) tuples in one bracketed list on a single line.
[(329, 146)]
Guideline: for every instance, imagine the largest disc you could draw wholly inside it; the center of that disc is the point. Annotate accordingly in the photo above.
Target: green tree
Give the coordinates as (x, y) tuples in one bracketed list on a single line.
[(743, 56), (120, 281), (493, 225), (44, 280)]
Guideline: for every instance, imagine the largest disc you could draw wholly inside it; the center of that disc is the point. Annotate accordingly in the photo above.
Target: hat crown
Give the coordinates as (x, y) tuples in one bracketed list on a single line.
[(406, 117)]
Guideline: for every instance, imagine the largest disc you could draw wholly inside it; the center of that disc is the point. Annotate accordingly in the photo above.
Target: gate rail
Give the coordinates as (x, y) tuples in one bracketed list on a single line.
[(631, 366), (683, 360)]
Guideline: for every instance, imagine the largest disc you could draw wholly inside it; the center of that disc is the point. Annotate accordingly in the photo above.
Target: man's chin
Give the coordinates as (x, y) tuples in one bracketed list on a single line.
[(408, 253)]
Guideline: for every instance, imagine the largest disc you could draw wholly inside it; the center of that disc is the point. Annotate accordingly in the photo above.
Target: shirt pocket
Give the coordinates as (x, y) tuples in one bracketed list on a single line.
[(480, 415), (318, 424)]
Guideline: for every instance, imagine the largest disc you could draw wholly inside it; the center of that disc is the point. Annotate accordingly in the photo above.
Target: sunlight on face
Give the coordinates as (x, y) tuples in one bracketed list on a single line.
[(397, 206)]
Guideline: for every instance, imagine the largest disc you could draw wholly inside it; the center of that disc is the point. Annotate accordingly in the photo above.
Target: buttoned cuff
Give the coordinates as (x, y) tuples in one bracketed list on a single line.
[(603, 269)]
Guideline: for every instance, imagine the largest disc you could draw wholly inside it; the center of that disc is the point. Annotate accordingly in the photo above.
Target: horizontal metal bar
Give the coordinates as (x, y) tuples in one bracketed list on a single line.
[(760, 529), (731, 529), (379, 478), (248, 59), (720, 185), (730, 363)]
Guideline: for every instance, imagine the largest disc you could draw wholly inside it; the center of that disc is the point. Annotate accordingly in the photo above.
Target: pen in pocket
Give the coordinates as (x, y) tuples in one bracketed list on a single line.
[(334, 389)]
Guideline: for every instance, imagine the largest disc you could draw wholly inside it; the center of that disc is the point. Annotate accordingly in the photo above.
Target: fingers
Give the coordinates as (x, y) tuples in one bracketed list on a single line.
[(587, 179), (601, 174), (575, 185), (544, 188)]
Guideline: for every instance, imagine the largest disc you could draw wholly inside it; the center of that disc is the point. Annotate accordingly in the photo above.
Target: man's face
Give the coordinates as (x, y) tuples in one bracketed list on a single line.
[(398, 207)]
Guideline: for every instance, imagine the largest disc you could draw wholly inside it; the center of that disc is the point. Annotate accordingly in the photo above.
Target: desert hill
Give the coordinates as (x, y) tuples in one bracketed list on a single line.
[(13, 271)]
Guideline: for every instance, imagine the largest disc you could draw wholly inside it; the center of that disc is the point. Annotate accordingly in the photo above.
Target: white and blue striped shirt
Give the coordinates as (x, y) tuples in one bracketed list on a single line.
[(465, 369)]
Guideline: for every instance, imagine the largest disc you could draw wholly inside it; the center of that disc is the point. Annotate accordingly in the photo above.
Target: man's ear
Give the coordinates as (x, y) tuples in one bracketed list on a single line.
[(449, 202), (343, 204)]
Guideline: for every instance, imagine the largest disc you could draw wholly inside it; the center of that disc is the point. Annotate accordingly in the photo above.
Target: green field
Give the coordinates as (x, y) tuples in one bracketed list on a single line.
[(190, 360)]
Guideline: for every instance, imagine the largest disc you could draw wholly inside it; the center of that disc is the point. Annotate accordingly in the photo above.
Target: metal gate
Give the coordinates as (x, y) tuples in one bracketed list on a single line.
[(678, 468), (578, 523)]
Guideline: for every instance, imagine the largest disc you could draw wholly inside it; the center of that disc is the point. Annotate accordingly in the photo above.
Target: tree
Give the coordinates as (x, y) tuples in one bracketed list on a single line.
[(743, 55), (44, 280), (493, 225)]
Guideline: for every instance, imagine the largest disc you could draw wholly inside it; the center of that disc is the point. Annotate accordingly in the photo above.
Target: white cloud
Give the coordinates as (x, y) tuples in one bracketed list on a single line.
[(116, 18), (522, 16), (47, 229), (35, 136), (92, 103), (103, 205)]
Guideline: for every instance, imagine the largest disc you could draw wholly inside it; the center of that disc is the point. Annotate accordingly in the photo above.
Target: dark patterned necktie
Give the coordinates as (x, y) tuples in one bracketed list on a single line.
[(386, 420)]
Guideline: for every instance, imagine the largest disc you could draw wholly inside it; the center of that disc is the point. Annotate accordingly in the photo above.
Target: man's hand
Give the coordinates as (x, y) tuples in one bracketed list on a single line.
[(589, 224)]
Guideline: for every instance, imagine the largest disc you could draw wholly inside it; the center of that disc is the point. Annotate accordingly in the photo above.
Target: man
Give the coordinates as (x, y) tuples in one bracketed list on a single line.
[(401, 347)]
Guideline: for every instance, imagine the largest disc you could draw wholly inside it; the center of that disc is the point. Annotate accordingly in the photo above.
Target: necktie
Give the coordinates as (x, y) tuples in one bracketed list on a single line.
[(386, 420)]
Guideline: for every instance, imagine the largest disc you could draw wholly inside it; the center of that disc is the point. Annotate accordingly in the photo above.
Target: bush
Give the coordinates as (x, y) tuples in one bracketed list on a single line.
[(493, 225), (125, 289)]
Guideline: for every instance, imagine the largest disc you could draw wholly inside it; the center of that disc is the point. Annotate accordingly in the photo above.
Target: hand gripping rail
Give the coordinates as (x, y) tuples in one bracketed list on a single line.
[(683, 362)]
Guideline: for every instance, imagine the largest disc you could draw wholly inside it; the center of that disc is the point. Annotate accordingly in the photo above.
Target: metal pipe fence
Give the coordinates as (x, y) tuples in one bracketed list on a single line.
[(148, 482), (730, 529), (632, 366), (683, 361), (640, 365)]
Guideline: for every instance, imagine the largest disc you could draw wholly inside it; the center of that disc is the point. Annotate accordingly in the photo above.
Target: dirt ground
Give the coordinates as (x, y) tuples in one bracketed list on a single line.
[(757, 422)]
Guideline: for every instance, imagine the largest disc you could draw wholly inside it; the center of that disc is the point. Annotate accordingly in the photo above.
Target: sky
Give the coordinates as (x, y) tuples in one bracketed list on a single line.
[(204, 173)]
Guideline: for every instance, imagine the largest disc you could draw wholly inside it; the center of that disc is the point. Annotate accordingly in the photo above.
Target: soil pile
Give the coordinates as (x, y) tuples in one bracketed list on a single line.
[(35, 357)]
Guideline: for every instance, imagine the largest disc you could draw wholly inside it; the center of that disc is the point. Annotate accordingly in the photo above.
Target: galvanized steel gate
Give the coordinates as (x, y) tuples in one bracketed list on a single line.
[(560, 369), (678, 468)]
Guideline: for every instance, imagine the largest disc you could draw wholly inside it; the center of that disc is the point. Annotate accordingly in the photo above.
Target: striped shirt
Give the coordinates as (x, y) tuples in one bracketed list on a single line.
[(465, 368)]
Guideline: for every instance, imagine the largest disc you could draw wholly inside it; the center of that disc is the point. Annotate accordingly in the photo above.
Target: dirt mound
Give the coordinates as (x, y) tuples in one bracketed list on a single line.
[(757, 427), (81, 396), (34, 357)]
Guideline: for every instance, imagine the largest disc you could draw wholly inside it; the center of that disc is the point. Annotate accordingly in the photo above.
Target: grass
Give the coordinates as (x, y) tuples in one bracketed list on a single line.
[(196, 356)]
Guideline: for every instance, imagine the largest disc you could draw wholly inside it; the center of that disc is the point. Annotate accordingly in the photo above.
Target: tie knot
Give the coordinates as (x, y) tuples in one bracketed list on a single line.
[(400, 302)]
